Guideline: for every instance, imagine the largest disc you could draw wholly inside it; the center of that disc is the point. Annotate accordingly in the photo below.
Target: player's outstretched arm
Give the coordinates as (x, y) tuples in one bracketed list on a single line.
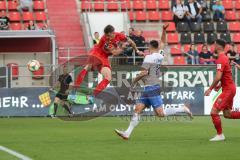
[(216, 80), (163, 37), (134, 46), (116, 51)]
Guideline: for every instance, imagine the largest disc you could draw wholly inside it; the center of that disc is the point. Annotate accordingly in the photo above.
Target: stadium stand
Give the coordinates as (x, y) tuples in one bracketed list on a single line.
[(69, 32)]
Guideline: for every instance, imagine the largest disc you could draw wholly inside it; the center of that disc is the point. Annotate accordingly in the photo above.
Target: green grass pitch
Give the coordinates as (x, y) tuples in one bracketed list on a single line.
[(54, 139)]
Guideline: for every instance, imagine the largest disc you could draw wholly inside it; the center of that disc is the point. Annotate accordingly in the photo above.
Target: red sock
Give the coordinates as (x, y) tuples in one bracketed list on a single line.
[(101, 86), (235, 115), (217, 123), (80, 77)]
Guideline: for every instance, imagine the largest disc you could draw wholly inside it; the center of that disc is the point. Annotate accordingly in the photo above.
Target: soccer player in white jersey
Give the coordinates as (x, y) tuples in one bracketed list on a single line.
[(151, 95)]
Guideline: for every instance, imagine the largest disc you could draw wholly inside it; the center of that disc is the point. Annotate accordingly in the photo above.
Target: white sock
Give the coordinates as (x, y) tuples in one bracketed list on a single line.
[(134, 122), (172, 110)]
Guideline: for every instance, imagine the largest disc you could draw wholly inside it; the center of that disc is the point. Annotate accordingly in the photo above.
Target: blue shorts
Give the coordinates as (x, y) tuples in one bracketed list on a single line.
[(151, 97)]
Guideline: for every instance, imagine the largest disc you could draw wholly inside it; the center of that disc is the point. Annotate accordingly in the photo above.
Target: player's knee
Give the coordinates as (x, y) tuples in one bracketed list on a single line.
[(108, 77), (226, 115), (88, 67), (56, 100)]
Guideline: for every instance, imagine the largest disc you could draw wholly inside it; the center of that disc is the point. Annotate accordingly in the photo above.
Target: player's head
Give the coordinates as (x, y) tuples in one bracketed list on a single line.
[(232, 46), (153, 46), (192, 47), (204, 48), (3, 13), (65, 69), (96, 35), (178, 1), (131, 31), (109, 31), (218, 2), (219, 45), (190, 1)]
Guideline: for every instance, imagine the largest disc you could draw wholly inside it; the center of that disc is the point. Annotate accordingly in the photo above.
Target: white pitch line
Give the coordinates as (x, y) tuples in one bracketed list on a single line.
[(14, 153)]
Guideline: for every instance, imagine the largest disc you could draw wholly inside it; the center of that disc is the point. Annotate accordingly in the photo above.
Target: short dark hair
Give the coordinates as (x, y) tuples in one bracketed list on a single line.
[(131, 28), (154, 44), (221, 42), (108, 29), (95, 32)]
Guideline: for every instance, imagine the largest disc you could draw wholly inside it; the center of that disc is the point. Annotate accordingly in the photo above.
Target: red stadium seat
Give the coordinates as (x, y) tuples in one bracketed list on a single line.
[(14, 70), (12, 5), (27, 16), (230, 16), (112, 5), (238, 48), (151, 5), (14, 16), (234, 26), (236, 38), (199, 47), (238, 14), (141, 16), (86, 5), (163, 4), (186, 48), (153, 16), (131, 16), (228, 5), (99, 5), (179, 60), (151, 34), (176, 49), (237, 5), (38, 5), (41, 16), (15, 26), (125, 5), (172, 38), (138, 5), (167, 16), (3, 5), (171, 27)]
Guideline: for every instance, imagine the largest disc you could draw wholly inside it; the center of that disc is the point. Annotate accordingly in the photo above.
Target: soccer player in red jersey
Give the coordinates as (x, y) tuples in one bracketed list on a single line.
[(111, 43), (225, 100)]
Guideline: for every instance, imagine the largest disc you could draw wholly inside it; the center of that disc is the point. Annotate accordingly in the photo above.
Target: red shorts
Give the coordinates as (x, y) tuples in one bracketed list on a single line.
[(98, 60), (225, 99)]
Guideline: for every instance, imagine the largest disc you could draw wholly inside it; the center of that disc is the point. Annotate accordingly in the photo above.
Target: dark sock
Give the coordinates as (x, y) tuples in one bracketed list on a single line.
[(67, 108), (55, 108)]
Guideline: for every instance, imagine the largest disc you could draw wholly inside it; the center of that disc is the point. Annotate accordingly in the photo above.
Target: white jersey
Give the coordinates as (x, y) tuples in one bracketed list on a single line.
[(152, 63)]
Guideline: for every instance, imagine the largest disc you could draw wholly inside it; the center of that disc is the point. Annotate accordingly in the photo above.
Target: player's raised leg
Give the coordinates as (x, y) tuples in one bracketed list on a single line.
[(164, 112), (133, 123), (82, 75), (107, 76)]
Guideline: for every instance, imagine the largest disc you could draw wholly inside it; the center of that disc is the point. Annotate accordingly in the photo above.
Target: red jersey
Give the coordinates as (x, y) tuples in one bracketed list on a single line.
[(105, 43), (224, 66)]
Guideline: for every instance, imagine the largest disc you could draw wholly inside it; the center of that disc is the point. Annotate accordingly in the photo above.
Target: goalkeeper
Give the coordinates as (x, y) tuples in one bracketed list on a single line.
[(64, 83)]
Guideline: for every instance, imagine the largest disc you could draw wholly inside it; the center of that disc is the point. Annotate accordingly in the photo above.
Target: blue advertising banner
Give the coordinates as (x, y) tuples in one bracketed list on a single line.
[(22, 102)]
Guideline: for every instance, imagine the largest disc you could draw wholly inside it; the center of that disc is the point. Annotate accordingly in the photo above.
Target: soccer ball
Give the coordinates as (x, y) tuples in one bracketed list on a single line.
[(33, 65)]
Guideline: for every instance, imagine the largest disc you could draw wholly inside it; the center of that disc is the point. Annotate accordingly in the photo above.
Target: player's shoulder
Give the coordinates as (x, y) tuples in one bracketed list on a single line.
[(222, 59), (148, 58), (120, 35)]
